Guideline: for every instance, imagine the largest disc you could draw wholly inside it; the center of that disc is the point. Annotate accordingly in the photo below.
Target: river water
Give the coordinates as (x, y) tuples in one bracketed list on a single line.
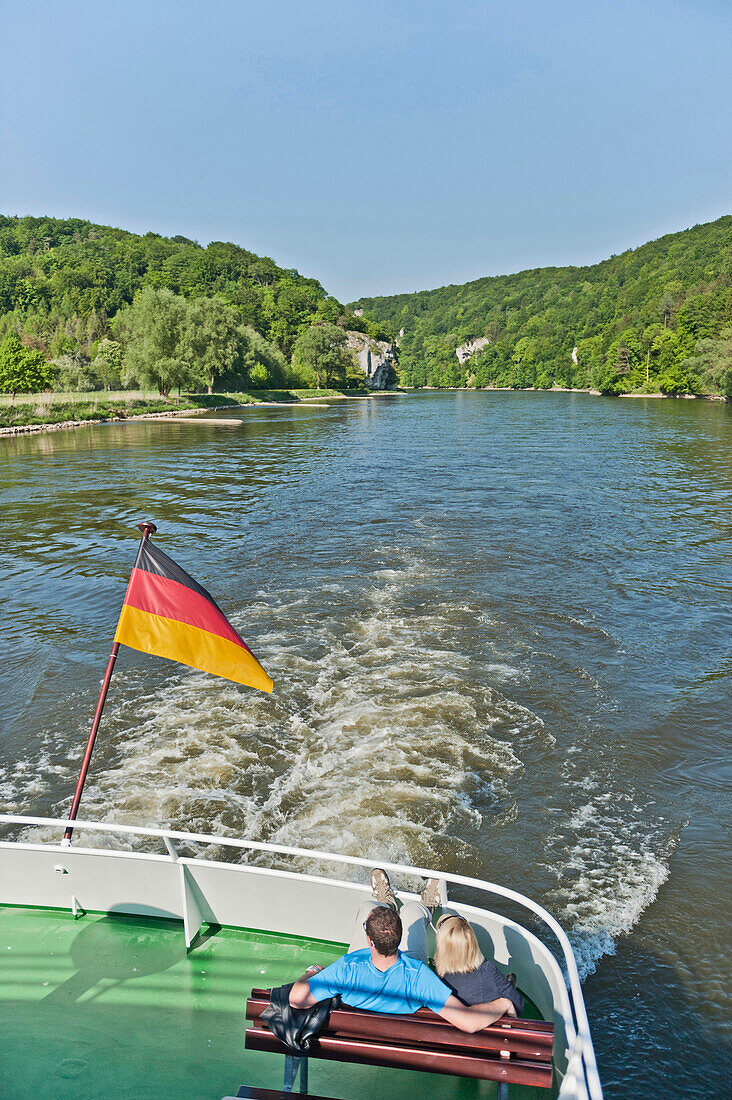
[(499, 629)]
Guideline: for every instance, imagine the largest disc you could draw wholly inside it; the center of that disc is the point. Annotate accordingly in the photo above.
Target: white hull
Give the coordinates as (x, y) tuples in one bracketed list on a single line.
[(198, 891)]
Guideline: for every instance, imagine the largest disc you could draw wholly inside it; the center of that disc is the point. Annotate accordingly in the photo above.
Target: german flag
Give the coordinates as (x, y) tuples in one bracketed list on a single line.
[(166, 613)]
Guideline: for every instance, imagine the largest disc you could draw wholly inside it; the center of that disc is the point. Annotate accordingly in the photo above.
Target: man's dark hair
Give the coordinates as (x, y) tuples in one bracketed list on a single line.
[(384, 929)]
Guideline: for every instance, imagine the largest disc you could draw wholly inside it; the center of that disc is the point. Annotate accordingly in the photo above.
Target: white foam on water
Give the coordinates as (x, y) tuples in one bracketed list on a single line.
[(376, 742), (21, 784), (611, 861)]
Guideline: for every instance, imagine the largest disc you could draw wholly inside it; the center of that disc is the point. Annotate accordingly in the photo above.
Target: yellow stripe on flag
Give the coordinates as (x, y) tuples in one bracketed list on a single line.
[(191, 646)]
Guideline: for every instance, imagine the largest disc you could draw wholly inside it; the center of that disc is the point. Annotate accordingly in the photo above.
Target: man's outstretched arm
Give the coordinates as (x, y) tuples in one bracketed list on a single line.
[(475, 1017), (300, 994)]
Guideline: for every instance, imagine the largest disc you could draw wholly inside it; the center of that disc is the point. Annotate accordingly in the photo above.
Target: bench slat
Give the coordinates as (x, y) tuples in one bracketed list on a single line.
[(520, 1024), (368, 1052), (364, 1025)]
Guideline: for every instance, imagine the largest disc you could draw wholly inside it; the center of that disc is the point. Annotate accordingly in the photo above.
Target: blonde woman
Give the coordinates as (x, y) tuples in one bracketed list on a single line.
[(462, 966)]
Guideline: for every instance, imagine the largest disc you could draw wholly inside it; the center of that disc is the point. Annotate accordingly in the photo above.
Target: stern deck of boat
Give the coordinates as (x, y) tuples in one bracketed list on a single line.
[(111, 1005)]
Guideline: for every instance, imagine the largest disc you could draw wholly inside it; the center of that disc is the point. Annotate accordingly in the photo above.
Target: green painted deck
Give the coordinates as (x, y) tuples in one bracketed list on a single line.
[(112, 1007)]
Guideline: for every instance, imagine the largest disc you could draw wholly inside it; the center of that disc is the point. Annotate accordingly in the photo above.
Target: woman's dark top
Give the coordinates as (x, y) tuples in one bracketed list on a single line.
[(487, 983)]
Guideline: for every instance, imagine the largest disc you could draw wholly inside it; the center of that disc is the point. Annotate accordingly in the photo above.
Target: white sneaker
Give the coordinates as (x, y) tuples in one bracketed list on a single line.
[(431, 897), (381, 888)]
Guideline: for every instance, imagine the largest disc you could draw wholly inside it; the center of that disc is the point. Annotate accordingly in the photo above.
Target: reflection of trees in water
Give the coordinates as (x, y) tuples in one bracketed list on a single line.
[(691, 439)]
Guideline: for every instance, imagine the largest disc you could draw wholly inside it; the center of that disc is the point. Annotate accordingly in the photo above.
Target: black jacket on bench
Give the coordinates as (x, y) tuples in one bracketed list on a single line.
[(295, 1027)]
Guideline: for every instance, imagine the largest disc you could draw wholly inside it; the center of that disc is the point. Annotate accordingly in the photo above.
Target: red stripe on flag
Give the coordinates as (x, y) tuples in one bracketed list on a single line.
[(172, 600)]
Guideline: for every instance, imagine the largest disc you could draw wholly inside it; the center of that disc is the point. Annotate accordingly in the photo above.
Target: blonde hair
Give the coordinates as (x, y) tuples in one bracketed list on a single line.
[(457, 948)]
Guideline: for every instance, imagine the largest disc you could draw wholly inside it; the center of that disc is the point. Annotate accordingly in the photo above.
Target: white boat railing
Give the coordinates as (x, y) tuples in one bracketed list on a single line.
[(581, 1062)]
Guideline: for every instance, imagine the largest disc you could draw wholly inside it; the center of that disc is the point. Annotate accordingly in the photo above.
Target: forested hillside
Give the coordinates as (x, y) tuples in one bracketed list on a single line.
[(658, 317), (84, 306)]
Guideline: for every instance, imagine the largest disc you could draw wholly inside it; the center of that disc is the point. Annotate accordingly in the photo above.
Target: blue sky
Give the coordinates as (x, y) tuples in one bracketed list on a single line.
[(380, 147)]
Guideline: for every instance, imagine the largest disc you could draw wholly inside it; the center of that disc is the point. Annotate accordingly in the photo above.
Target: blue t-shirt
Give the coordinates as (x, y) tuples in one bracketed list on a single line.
[(403, 988)]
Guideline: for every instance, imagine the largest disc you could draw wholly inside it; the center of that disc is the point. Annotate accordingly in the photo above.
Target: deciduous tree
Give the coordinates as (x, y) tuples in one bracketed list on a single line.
[(712, 364), (212, 339), (155, 331), (23, 370), (322, 350), (108, 362)]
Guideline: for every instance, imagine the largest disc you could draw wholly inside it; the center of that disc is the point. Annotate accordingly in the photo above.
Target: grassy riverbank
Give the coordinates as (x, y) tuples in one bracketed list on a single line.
[(55, 409)]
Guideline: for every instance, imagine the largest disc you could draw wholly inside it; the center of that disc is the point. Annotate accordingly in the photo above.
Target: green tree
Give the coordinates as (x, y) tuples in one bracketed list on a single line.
[(261, 364), (212, 339), (589, 360), (155, 331), (524, 358), (677, 379), (75, 373), (665, 350), (321, 350), (108, 362), (23, 370), (668, 300), (712, 364)]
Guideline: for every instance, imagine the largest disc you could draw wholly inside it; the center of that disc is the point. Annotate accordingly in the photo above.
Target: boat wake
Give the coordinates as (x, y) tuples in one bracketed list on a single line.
[(610, 862), (370, 744), (390, 735)]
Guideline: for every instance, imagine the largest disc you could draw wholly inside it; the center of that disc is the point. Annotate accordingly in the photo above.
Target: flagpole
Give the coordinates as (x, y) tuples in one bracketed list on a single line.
[(147, 528)]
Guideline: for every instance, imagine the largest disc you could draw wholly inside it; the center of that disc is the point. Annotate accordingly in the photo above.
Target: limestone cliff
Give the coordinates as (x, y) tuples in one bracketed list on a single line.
[(376, 358), (468, 349)]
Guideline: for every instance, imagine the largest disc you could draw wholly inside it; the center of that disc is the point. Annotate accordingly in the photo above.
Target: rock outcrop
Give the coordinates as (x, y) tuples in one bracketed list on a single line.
[(468, 349), (376, 358)]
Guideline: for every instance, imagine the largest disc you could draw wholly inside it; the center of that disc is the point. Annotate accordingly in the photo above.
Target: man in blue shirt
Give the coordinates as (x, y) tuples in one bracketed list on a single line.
[(382, 978)]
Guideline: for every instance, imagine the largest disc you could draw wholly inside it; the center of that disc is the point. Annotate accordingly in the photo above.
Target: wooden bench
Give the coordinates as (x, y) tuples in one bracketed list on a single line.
[(511, 1051)]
